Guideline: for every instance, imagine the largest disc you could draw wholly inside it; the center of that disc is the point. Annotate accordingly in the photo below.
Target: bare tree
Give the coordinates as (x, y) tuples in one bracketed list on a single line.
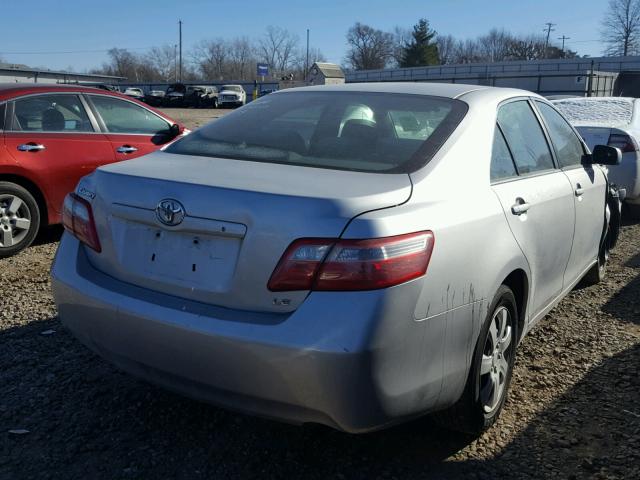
[(241, 59), (621, 27), (123, 63), (210, 57), (468, 51), (163, 61), (401, 38), (446, 49), (494, 46), (369, 48), (277, 48), (532, 47)]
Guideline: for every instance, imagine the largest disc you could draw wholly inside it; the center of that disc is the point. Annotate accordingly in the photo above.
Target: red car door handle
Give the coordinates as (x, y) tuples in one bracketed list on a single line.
[(31, 147), (126, 149)]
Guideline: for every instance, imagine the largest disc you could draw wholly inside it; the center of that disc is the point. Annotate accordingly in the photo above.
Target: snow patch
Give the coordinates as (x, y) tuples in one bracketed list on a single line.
[(604, 111)]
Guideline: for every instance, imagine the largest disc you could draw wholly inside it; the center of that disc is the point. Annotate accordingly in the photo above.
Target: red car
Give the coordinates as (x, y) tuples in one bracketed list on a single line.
[(51, 136)]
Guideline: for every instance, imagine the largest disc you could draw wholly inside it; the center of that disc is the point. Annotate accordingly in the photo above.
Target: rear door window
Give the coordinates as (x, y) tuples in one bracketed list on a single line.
[(362, 131), (3, 108), (502, 166), (50, 113), (121, 116), (568, 147), (525, 137)]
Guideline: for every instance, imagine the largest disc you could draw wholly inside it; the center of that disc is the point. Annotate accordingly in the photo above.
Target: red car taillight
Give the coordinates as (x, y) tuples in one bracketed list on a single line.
[(334, 264), (623, 142), (77, 218)]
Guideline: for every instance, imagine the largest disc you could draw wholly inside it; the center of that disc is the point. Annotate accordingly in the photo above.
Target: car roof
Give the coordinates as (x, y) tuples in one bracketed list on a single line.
[(10, 90), (447, 90)]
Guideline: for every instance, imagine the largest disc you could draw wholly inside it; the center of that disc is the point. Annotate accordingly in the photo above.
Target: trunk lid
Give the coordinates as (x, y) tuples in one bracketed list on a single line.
[(239, 218)]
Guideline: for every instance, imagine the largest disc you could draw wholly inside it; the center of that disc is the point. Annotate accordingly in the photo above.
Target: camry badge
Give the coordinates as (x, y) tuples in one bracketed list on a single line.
[(170, 212)]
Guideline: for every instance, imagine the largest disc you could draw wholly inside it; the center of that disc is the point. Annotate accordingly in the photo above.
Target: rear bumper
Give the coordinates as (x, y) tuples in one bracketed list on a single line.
[(356, 361)]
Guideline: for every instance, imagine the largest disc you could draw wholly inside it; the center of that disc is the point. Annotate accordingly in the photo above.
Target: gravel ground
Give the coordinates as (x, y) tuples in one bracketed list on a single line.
[(573, 411), (195, 117)]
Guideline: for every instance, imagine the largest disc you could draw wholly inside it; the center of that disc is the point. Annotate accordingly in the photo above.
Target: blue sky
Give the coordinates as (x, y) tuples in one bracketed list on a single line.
[(71, 25)]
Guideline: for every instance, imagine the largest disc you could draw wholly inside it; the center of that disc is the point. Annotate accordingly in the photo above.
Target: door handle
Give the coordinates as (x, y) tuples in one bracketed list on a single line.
[(520, 207), (579, 190), (126, 149), (31, 147)]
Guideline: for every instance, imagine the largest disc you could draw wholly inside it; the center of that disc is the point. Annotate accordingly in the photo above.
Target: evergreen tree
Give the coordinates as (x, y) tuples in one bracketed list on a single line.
[(422, 50)]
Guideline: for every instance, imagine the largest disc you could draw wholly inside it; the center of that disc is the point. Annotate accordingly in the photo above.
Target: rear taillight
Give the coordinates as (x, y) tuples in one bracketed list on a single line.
[(77, 218), (624, 142), (334, 264)]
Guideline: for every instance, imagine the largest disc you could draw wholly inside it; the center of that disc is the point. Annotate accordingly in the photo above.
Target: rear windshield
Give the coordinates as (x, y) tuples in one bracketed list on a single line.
[(362, 131)]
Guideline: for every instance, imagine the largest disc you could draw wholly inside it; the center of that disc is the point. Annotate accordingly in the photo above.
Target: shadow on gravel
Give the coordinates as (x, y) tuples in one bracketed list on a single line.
[(88, 420), (49, 234), (625, 304)]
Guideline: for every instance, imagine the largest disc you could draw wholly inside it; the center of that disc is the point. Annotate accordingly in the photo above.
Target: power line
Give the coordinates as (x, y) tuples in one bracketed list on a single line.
[(65, 52)]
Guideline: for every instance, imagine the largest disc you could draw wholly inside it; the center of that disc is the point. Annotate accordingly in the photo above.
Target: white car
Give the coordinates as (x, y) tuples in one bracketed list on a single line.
[(134, 92), (613, 121), (351, 255), (232, 96)]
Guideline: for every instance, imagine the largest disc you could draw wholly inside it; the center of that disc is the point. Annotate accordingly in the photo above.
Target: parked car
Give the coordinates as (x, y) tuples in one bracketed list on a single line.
[(51, 136), (612, 121), (201, 96), (174, 96), (102, 86), (232, 96), (136, 93), (298, 260), (154, 98)]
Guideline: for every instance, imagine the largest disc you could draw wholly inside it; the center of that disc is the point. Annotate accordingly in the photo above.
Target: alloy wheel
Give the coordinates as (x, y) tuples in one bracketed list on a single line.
[(15, 220), (496, 359)]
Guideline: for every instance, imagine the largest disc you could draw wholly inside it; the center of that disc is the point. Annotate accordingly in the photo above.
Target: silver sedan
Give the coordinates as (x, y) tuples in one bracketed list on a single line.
[(351, 255)]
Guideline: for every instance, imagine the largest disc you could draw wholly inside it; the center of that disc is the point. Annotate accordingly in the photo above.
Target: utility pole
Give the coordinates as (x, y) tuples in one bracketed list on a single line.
[(549, 29), (180, 41), (175, 61), (306, 64), (563, 38)]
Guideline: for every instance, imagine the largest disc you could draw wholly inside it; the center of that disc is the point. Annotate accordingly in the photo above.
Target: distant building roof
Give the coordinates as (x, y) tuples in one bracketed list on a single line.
[(329, 70), (19, 68)]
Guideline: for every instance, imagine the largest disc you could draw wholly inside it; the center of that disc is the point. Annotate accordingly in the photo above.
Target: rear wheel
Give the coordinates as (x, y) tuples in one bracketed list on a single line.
[(215, 103), (19, 219), (597, 273), (490, 373)]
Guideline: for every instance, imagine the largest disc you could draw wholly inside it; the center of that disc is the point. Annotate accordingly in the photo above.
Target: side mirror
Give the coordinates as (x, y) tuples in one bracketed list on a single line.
[(174, 130), (605, 155)]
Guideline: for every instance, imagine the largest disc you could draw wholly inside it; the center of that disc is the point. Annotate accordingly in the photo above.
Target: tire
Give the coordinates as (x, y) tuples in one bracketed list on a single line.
[(599, 270), (19, 219), (215, 103), (490, 374)]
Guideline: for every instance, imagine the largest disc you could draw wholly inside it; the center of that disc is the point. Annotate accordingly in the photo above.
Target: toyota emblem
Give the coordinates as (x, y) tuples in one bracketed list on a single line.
[(170, 212)]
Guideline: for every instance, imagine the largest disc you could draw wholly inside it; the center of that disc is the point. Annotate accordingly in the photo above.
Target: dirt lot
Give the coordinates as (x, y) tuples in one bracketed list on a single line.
[(195, 117), (573, 412)]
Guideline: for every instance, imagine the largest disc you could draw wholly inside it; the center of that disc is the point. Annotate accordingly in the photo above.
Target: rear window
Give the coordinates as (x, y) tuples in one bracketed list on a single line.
[(362, 131), (2, 110)]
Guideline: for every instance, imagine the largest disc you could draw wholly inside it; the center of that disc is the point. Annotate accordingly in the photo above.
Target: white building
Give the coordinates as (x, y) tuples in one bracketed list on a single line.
[(10, 73)]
